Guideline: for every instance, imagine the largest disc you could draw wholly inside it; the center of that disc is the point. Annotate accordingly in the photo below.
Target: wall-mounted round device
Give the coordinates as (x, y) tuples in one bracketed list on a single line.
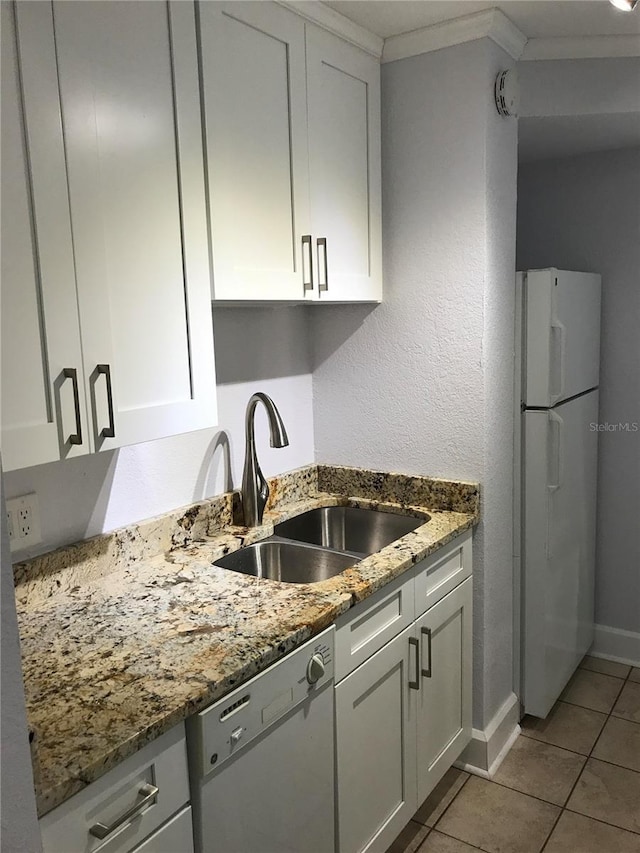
[(507, 92)]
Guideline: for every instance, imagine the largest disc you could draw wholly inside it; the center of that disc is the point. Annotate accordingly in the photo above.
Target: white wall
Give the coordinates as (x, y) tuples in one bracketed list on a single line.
[(583, 213), (578, 87), (577, 106), (423, 383), (18, 822), (264, 349)]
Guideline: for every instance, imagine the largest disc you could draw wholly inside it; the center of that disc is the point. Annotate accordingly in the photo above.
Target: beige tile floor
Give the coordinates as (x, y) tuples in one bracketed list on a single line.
[(570, 784)]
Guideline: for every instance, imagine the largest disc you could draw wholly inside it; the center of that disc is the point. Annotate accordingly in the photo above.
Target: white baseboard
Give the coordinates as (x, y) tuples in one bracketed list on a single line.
[(617, 645), (488, 747)]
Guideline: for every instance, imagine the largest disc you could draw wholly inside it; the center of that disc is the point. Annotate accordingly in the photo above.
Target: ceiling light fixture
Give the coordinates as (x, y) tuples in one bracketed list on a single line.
[(624, 5)]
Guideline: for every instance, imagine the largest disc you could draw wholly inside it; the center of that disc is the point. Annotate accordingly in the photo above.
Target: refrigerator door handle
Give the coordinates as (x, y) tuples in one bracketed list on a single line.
[(556, 466), (556, 455), (557, 361)]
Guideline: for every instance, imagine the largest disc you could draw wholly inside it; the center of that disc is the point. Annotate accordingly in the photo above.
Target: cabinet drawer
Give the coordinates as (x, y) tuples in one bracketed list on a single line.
[(162, 764), (436, 576), (372, 623), (176, 834)]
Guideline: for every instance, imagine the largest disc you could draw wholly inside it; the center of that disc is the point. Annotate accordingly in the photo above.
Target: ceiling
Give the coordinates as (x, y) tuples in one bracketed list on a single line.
[(535, 18), (538, 138)]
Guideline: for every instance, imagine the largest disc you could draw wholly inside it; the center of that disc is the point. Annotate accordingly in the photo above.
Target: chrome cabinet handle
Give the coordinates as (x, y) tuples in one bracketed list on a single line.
[(427, 672), (72, 374), (324, 284), (148, 793), (306, 249), (415, 684), (110, 431)]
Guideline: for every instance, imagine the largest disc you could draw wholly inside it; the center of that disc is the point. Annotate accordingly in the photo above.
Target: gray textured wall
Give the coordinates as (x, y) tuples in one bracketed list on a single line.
[(423, 382), (583, 213), (578, 87)]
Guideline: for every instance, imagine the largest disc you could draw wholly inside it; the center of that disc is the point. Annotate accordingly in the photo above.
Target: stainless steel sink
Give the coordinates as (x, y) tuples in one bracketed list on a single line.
[(290, 562), (345, 528)]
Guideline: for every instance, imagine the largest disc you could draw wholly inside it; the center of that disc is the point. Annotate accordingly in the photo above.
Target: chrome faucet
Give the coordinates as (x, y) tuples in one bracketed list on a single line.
[(255, 490)]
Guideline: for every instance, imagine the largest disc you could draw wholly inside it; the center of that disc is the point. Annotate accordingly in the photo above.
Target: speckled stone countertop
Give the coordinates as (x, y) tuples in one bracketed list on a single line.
[(131, 632)]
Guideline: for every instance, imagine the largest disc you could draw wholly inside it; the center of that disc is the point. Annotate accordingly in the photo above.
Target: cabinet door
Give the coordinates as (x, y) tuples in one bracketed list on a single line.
[(444, 699), (344, 164), (253, 78), (131, 115), (40, 332), (375, 748)]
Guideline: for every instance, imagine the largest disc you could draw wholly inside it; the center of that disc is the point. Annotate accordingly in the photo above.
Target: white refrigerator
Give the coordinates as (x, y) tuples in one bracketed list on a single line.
[(558, 338)]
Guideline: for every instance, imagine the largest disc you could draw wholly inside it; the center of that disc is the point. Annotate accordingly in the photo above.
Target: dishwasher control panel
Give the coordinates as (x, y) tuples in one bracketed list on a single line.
[(220, 731)]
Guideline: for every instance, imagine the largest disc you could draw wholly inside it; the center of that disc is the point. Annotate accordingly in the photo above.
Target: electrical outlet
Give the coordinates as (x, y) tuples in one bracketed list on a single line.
[(23, 521)]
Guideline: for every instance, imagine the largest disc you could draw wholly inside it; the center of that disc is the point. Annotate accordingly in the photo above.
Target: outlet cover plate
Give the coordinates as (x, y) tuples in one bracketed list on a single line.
[(23, 521)]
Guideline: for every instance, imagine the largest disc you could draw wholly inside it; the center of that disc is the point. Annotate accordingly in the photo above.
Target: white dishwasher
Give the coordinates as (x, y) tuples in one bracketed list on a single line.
[(262, 760)]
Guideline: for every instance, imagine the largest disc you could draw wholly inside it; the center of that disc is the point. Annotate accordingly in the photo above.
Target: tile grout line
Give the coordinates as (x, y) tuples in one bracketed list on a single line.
[(584, 755), (612, 763), (564, 808), (452, 837), (451, 803), (608, 716), (555, 823), (573, 787), (533, 796), (603, 822), (598, 672), (613, 705), (590, 756), (434, 827)]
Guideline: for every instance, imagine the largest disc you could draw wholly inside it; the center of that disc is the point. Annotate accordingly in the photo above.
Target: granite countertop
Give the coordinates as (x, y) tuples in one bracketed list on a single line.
[(127, 634)]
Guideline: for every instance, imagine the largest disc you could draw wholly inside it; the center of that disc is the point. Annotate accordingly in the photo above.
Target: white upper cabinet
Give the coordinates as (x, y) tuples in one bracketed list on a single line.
[(117, 255), (131, 114), (255, 113), (41, 355), (292, 125), (344, 166)]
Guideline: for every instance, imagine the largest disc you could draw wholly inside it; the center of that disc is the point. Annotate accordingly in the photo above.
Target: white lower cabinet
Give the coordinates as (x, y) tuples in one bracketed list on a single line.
[(141, 806), (444, 700), (403, 716), (375, 732)]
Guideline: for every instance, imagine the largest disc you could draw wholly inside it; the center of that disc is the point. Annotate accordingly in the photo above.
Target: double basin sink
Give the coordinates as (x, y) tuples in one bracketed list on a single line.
[(319, 544)]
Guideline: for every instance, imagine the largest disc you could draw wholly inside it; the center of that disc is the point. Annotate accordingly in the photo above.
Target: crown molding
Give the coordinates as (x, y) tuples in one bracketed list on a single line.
[(335, 23), (491, 23), (584, 47)]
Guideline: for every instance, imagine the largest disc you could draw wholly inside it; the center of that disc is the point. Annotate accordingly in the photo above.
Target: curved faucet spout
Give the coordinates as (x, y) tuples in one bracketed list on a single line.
[(255, 490)]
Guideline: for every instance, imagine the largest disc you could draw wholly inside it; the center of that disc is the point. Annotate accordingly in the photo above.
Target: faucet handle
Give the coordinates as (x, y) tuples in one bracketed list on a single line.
[(263, 492)]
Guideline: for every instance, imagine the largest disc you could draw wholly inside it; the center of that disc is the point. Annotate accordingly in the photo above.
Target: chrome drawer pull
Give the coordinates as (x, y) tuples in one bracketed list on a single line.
[(415, 685), (322, 244), (308, 251), (427, 672), (110, 431), (148, 793), (72, 374)]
